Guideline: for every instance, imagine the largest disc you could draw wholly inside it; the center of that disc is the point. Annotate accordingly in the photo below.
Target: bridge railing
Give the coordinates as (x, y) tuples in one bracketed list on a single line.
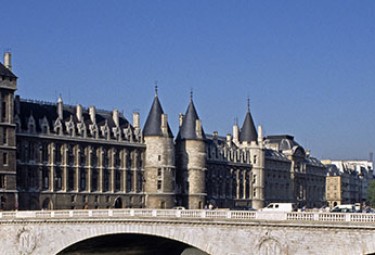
[(189, 214)]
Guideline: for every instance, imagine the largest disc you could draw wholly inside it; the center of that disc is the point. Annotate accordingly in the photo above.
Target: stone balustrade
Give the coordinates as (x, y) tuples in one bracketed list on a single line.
[(192, 214)]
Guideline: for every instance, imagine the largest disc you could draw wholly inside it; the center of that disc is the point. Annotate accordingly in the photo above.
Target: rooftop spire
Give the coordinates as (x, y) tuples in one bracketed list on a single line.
[(153, 123), (191, 95), (248, 103), (156, 88), (188, 129), (248, 132)]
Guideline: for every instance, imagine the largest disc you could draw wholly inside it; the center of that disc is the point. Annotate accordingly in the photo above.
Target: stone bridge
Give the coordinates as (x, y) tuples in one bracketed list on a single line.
[(214, 232)]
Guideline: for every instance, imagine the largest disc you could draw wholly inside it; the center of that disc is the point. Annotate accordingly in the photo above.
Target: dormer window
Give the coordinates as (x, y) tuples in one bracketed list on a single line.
[(44, 125), (58, 127), (94, 131), (105, 131), (81, 129), (70, 127), (31, 125)]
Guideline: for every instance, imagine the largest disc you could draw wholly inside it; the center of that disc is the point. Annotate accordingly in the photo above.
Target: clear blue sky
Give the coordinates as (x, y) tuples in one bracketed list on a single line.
[(308, 67)]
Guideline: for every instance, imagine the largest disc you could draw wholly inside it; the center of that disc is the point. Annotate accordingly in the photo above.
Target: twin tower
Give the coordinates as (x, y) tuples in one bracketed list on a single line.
[(174, 170)]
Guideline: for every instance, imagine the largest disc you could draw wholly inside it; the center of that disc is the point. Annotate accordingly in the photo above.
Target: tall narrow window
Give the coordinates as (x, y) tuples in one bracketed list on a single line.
[(83, 179), (45, 176), (58, 178), (5, 159), (2, 181), (117, 180), (129, 186), (159, 185), (106, 180), (94, 182), (5, 137), (3, 110), (71, 178)]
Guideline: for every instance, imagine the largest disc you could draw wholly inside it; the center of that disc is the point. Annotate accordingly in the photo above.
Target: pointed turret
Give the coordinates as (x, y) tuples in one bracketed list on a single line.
[(154, 123), (248, 131), (191, 158), (159, 169), (191, 127)]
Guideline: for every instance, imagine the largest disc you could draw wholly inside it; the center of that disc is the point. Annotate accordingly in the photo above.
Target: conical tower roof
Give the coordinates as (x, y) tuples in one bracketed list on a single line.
[(248, 131), (188, 127), (153, 123)]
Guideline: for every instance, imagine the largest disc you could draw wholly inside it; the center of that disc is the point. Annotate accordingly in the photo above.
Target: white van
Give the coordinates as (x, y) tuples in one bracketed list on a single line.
[(279, 207)]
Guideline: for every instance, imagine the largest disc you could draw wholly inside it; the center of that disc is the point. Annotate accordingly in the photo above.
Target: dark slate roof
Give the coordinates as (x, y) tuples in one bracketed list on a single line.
[(248, 132), (39, 110), (285, 142), (187, 129), (153, 123), (6, 72)]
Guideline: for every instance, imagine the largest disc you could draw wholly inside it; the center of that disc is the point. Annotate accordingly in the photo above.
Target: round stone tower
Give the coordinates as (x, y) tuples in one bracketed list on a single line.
[(191, 160), (252, 141), (159, 167)]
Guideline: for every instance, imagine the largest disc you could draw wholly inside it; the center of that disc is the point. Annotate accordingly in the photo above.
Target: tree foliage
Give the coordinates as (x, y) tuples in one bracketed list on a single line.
[(371, 193)]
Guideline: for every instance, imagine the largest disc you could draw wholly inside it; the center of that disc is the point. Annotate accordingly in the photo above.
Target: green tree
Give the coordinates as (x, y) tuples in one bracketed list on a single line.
[(371, 193)]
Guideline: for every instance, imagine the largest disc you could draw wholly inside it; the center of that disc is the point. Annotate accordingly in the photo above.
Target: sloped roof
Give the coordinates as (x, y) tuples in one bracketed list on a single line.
[(188, 127), (39, 110), (153, 123), (248, 132), (6, 72)]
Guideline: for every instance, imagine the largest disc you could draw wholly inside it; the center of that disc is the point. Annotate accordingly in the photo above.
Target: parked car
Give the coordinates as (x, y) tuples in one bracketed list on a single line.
[(345, 208)]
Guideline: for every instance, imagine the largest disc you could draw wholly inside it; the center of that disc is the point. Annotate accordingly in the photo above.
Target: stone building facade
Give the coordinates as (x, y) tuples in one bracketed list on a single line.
[(58, 156), (348, 181)]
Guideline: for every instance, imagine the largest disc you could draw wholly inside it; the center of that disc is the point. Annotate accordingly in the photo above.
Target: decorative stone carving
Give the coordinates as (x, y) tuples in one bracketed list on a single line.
[(270, 247), (27, 241)]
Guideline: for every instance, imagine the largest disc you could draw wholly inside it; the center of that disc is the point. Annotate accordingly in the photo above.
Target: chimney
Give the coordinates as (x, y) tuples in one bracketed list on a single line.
[(260, 135), (180, 119), (164, 123), (60, 108), (198, 128), (79, 112), (136, 120), (8, 60), (235, 133), (92, 113), (116, 117)]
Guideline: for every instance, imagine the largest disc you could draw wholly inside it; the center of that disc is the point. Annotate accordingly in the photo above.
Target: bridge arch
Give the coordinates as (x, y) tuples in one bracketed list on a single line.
[(189, 243), (131, 244)]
